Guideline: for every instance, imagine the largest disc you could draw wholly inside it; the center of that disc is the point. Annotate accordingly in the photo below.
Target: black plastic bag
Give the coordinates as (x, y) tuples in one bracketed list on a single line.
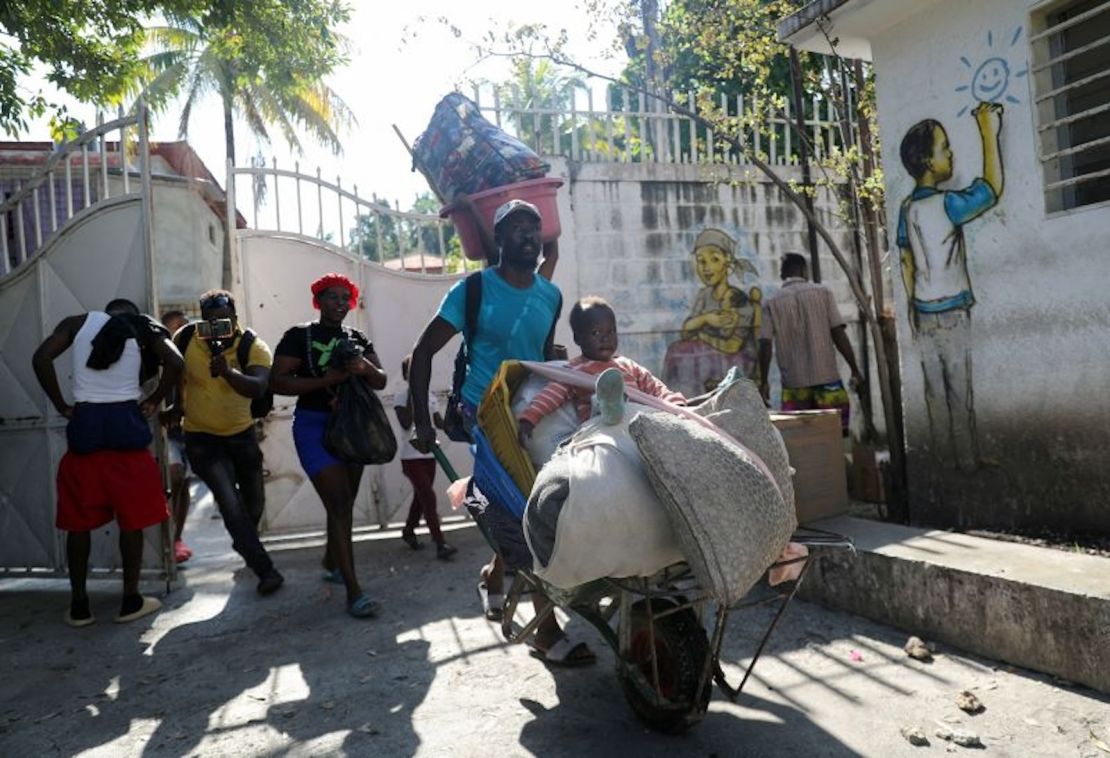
[(358, 430)]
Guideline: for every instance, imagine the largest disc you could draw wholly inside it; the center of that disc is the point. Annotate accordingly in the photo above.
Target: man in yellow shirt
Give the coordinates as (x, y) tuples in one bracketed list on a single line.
[(220, 441)]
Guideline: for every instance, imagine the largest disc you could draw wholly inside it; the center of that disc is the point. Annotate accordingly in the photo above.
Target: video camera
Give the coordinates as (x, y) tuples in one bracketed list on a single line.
[(218, 333), (216, 329), (344, 351)]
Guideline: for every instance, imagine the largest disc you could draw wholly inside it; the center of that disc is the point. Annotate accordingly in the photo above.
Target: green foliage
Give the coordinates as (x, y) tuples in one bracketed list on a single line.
[(89, 48), (265, 59), (540, 85), (719, 50), (382, 236), (729, 46)]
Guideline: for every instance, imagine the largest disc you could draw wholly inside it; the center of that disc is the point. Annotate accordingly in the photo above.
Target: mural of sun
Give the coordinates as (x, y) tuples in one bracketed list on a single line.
[(990, 80)]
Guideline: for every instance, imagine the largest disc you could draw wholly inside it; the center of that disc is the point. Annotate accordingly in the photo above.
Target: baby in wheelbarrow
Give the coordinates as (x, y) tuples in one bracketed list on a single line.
[(594, 324), (646, 482)]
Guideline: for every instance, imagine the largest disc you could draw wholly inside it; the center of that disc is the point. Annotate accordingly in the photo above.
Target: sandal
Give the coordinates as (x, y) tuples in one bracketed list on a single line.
[(492, 603), (568, 652), (335, 576), (364, 607)]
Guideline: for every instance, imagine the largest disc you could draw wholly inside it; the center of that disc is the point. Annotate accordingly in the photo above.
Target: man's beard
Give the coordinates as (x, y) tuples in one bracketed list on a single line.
[(520, 260)]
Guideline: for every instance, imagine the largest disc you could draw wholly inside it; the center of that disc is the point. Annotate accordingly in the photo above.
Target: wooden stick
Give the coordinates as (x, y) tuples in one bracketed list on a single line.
[(428, 179)]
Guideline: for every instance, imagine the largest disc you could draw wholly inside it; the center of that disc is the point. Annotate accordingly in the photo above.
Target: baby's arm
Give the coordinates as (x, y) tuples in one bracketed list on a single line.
[(647, 383), (546, 402)]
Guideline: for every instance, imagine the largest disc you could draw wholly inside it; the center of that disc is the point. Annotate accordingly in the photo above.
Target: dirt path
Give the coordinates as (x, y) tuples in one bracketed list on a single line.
[(223, 672)]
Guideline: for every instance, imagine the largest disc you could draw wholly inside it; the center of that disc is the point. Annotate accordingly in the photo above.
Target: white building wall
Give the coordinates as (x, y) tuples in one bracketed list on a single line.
[(188, 243), (1039, 333)]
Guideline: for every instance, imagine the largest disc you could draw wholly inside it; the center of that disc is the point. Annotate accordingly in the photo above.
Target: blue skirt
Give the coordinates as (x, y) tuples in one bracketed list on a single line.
[(308, 438)]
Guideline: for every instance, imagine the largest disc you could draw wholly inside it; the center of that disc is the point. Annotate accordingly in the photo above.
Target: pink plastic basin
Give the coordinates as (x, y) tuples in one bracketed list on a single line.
[(539, 192)]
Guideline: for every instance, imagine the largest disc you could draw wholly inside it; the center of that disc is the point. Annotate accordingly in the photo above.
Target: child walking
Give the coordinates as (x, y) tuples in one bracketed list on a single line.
[(594, 324), (420, 468)]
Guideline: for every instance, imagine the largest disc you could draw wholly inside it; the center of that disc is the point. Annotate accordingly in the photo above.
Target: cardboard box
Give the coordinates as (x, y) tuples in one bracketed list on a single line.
[(815, 445), (869, 472)]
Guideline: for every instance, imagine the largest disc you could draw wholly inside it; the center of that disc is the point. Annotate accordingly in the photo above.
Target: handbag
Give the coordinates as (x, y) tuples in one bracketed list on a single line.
[(358, 429)]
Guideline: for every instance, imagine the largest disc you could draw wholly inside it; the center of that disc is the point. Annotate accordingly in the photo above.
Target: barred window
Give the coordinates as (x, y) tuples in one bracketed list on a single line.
[(1071, 78)]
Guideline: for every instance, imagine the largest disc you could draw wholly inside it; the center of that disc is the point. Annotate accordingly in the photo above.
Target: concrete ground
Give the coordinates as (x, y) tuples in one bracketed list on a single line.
[(221, 671)]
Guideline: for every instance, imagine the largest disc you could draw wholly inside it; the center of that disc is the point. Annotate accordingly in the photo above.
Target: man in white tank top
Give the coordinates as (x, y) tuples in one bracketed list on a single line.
[(108, 471)]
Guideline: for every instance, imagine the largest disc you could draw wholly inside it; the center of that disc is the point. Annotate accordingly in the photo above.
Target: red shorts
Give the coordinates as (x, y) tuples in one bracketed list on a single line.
[(95, 487)]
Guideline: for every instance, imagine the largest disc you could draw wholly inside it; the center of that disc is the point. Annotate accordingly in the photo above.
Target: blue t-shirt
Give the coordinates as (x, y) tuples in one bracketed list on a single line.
[(513, 324)]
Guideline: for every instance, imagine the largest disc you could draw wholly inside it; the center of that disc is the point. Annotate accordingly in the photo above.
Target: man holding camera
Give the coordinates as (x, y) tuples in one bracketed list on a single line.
[(220, 441)]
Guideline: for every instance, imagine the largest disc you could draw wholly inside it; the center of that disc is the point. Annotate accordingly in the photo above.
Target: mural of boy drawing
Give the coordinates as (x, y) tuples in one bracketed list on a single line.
[(934, 270)]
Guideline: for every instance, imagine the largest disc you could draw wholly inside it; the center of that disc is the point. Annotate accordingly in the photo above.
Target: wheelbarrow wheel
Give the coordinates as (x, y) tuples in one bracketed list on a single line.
[(681, 650)]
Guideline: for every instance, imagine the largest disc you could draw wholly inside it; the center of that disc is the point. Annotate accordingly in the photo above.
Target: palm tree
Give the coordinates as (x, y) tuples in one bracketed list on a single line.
[(268, 90), (540, 86)]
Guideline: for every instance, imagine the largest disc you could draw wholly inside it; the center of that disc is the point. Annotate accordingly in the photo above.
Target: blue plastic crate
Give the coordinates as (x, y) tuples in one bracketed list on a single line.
[(492, 479)]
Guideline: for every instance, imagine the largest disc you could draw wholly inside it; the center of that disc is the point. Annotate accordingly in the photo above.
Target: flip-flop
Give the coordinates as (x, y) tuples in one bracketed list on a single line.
[(335, 576), (492, 603), (568, 652), (149, 606), (364, 607), (78, 623)]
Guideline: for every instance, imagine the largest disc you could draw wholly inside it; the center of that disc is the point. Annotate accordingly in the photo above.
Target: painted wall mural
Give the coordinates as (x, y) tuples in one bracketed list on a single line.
[(934, 252), (722, 327), (990, 80)]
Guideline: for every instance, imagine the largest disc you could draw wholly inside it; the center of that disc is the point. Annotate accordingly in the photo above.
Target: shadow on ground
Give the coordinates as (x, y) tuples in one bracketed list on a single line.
[(222, 671)]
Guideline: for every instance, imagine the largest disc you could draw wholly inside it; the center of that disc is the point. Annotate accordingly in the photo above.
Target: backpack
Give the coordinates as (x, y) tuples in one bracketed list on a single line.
[(260, 406), (453, 416), (453, 425)]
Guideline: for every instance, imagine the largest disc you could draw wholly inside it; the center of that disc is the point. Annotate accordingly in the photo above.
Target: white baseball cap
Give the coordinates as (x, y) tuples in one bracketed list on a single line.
[(513, 206)]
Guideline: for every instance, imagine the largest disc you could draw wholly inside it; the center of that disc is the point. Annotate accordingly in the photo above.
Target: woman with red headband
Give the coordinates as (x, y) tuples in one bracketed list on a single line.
[(304, 366)]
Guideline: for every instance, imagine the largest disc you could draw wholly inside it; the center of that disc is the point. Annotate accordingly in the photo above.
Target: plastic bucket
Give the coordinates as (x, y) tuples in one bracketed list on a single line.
[(539, 192)]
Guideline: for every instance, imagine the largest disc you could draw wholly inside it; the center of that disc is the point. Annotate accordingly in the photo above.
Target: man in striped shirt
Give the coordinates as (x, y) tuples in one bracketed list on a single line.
[(803, 322), (594, 325)]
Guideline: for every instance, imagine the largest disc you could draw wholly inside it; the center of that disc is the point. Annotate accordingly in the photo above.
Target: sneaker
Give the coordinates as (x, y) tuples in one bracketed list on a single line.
[(181, 552), (408, 536), (79, 614), (445, 551), (270, 582), (145, 607)]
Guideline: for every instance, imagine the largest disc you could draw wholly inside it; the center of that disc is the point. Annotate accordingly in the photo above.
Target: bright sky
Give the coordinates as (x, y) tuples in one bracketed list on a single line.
[(390, 81)]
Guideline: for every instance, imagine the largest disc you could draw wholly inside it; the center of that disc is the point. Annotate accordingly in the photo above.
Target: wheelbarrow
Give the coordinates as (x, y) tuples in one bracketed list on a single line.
[(666, 630)]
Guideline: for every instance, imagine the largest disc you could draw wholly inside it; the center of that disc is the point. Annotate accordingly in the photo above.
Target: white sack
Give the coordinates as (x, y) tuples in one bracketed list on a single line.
[(596, 509), (552, 429)]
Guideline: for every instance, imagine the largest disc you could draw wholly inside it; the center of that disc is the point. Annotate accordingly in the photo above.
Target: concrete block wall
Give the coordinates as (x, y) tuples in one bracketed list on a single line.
[(629, 232)]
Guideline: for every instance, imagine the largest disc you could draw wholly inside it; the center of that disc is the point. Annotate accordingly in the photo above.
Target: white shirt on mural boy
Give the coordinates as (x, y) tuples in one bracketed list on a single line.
[(930, 225)]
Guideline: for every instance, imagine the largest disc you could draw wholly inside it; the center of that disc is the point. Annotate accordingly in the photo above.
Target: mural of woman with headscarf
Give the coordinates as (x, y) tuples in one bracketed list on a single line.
[(722, 328)]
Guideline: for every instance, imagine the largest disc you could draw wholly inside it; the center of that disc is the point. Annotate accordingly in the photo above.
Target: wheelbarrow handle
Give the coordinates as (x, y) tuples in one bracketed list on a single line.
[(445, 464)]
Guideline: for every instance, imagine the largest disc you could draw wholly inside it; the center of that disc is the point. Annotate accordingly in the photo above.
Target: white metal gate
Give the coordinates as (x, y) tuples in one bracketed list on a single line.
[(59, 258), (275, 264)]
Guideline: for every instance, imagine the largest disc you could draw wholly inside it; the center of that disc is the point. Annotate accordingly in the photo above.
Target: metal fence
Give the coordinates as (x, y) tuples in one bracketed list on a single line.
[(73, 179), (619, 124), (289, 201)]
